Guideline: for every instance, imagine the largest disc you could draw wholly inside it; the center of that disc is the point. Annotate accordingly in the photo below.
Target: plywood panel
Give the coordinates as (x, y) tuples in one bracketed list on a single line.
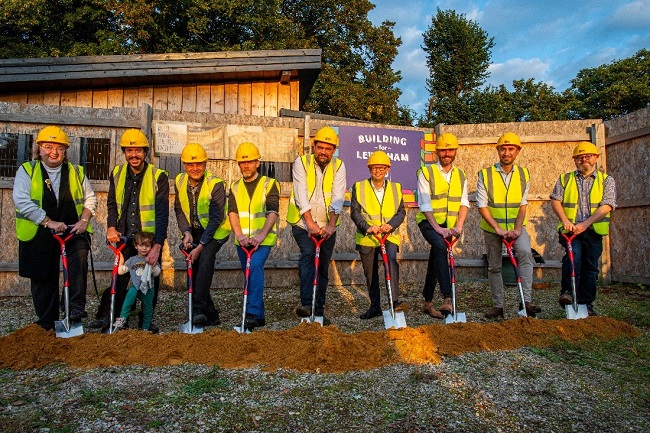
[(257, 99), (244, 102), (35, 98), (295, 95), (115, 98), (271, 99), (217, 99), (160, 97), (52, 98), (203, 98), (231, 91), (100, 99), (145, 95), (130, 98), (189, 99), (284, 97), (69, 98), (84, 98), (20, 98), (175, 98)]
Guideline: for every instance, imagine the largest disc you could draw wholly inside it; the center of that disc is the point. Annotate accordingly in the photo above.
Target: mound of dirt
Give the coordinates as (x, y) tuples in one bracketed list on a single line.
[(307, 347)]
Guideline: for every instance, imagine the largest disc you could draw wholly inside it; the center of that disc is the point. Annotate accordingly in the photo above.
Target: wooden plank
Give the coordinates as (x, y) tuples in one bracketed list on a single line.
[(130, 98), (189, 99), (203, 98), (295, 95), (69, 98), (84, 98), (115, 98), (160, 97), (257, 99), (145, 95), (627, 136), (35, 98), (284, 97), (244, 102), (100, 98), (52, 98), (271, 99), (175, 98), (117, 122), (217, 99), (231, 91), (18, 98)]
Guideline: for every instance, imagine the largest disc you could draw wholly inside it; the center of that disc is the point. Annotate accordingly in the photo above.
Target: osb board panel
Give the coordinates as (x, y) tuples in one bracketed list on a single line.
[(623, 124), (630, 157), (525, 130), (630, 243)]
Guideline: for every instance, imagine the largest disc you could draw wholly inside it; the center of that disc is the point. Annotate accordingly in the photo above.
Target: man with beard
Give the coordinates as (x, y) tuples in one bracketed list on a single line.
[(314, 208), (138, 200), (443, 203), (502, 199), (583, 199)]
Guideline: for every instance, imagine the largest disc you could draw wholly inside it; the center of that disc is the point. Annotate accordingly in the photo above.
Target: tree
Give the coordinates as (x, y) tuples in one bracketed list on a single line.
[(614, 89), (458, 56)]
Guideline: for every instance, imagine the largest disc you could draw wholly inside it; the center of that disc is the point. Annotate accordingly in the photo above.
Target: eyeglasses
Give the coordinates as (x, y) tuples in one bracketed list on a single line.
[(583, 157), (379, 168), (49, 148)]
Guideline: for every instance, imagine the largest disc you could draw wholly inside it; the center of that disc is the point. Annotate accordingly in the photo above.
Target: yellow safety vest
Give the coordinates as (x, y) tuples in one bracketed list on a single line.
[(504, 203), (147, 197), (376, 213), (25, 228), (570, 200), (252, 211), (308, 162), (203, 202), (445, 197)]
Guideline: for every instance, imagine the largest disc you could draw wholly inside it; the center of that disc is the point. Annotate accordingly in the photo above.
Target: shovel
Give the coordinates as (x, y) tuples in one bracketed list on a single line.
[(116, 264), (318, 241), (456, 316), (392, 319), (247, 274), (65, 328), (509, 245), (189, 328), (574, 311)]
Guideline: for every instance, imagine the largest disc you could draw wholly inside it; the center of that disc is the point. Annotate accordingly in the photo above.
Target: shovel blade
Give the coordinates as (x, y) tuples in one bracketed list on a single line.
[(398, 322), (317, 319), (240, 330), (190, 328), (572, 314), (455, 318), (522, 312), (63, 331)]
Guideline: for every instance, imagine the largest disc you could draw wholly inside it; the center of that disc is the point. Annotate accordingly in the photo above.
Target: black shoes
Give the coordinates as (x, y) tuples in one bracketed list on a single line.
[(591, 311), (251, 322), (370, 314), (302, 311), (77, 315), (199, 319), (494, 313)]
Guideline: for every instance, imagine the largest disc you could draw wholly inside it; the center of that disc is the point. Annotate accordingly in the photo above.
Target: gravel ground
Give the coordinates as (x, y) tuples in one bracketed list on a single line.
[(523, 390)]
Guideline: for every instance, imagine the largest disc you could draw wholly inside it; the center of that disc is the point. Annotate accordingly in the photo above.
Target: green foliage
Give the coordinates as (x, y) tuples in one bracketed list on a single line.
[(614, 89)]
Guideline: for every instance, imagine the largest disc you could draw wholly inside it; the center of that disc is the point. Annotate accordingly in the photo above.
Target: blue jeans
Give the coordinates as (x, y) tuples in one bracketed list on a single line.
[(306, 269), (587, 248), (438, 266), (255, 304)]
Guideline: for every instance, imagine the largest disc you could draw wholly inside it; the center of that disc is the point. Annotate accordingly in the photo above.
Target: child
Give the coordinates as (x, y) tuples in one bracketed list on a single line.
[(141, 283)]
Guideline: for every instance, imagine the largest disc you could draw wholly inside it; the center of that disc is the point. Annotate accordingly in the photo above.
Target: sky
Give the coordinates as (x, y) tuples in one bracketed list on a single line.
[(550, 41)]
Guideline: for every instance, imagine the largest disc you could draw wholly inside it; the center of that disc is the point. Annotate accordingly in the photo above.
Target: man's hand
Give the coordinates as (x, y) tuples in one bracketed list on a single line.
[(154, 254), (195, 253), (513, 234), (188, 240), (327, 231), (373, 230), (113, 235), (313, 229), (386, 228)]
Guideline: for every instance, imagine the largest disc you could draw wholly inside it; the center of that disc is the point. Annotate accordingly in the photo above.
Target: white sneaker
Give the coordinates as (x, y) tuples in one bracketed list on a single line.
[(119, 323)]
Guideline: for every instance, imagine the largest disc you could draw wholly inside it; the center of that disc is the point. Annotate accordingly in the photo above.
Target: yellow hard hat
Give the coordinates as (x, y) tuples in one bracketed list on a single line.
[(247, 152), (327, 134), (194, 152), (379, 157), (585, 148), (509, 138), (134, 138), (447, 141), (53, 134)]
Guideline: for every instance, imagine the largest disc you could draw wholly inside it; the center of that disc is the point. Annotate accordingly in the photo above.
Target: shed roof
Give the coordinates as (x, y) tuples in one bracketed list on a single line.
[(56, 73)]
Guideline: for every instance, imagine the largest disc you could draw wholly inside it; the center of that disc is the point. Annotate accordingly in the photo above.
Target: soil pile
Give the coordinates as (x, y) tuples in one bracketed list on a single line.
[(307, 347)]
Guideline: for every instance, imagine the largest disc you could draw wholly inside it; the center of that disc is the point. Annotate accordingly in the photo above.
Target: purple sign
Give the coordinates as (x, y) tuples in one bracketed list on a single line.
[(403, 148)]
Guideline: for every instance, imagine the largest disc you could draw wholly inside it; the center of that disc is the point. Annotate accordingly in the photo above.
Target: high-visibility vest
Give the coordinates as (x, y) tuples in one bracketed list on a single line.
[(203, 202), (25, 228), (570, 200), (308, 162), (147, 197), (376, 213), (504, 202), (445, 197), (252, 210)]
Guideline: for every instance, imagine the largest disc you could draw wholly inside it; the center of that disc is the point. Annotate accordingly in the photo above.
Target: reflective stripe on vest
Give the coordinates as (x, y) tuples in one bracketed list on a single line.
[(376, 213), (203, 202), (146, 198), (445, 197), (504, 202), (252, 211), (570, 200), (308, 162), (25, 228)]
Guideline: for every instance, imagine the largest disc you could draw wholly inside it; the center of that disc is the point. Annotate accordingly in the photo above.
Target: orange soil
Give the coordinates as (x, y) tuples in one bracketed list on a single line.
[(307, 347)]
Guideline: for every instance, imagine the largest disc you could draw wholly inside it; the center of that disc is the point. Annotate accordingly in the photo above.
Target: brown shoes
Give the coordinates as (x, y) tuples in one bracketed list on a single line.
[(446, 307), (565, 299), (494, 313), (429, 309), (400, 306)]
